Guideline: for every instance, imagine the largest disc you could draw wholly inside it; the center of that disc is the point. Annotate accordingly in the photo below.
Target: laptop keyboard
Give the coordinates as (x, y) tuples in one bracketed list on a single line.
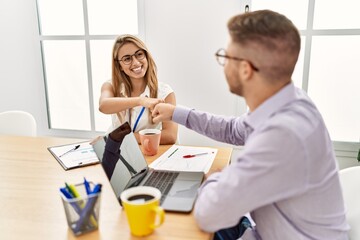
[(162, 181)]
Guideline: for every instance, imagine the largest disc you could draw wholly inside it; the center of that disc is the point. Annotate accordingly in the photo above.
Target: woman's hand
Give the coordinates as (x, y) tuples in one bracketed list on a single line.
[(150, 103)]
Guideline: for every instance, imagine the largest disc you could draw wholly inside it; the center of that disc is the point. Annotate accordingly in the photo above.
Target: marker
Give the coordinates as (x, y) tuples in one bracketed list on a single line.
[(71, 188), (173, 152), (73, 149)]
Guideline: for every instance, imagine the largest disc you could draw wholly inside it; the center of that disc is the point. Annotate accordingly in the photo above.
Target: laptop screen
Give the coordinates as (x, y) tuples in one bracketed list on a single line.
[(123, 161)]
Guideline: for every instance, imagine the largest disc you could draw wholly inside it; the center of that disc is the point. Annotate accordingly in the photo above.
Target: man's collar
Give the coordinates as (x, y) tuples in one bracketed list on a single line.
[(270, 106)]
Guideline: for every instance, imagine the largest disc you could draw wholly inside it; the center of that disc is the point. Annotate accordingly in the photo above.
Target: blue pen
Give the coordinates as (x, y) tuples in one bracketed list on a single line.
[(138, 118), (66, 193), (97, 188), (87, 186)]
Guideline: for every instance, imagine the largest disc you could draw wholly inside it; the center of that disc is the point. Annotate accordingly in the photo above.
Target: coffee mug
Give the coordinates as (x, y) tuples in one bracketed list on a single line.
[(142, 209), (150, 140)]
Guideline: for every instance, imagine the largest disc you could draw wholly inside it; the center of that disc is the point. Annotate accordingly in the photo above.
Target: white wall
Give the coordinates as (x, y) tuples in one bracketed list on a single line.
[(183, 37), (21, 80)]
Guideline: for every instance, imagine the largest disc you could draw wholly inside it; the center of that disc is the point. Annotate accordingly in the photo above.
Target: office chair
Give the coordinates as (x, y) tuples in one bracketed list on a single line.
[(17, 123), (350, 182)]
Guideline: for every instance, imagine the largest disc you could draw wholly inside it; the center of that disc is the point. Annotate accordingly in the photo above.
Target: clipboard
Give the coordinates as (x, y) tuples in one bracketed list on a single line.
[(74, 155)]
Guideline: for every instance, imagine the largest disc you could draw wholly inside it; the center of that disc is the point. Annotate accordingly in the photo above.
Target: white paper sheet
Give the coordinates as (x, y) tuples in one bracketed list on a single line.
[(173, 159)]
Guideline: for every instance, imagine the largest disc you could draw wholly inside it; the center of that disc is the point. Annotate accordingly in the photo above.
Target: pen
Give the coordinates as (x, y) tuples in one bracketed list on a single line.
[(87, 186), (97, 188), (195, 155), (138, 118), (66, 193), (173, 152), (73, 149)]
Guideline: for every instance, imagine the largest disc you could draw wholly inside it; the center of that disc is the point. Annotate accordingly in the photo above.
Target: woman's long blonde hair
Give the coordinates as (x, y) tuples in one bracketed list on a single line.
[(119, 77)]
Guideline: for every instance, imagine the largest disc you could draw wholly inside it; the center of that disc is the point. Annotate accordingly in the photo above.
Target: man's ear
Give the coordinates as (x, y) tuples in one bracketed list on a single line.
[(245, 70)]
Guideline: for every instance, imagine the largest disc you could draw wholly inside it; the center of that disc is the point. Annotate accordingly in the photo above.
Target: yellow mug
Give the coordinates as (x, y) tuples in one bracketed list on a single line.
[(142, 209)]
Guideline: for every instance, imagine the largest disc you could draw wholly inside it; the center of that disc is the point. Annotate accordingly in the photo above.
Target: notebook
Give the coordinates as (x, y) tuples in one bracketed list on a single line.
[(129, 169)]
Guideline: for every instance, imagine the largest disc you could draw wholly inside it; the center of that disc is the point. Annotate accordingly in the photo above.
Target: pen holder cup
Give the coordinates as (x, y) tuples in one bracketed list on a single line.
[(82, 213)]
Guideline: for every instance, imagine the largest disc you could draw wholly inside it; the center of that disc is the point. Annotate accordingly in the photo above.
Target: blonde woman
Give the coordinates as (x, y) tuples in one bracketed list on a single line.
[(134, 89)]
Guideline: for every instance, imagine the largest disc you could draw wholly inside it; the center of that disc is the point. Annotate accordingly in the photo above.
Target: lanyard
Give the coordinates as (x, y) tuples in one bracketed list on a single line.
[(138, 118)]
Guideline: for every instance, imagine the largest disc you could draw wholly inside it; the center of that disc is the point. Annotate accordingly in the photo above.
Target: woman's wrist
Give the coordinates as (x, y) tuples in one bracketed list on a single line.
[(141, 101)]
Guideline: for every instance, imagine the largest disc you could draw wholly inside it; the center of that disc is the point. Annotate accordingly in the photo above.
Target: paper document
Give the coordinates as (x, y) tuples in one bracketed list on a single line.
[(185, 158), (74, 155)]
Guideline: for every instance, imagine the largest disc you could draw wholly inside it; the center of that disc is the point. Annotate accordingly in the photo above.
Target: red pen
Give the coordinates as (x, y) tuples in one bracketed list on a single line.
[(195, 155)]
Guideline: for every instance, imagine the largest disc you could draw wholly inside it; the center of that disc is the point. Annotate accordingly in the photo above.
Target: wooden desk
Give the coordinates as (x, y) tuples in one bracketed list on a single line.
[(30, 203)]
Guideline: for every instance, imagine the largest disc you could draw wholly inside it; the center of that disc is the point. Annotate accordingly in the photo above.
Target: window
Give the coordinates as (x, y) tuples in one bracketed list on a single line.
[(77, 38), (327, 67)]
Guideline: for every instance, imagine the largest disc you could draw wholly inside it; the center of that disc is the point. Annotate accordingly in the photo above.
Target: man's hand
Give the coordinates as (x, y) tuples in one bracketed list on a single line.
[(163, 112)]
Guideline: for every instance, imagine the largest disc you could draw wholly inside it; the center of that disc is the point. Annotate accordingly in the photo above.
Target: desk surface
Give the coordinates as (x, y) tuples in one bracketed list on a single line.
[(30, 203)]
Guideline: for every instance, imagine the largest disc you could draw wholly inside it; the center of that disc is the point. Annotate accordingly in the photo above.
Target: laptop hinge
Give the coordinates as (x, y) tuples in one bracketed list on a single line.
[(137, 178)]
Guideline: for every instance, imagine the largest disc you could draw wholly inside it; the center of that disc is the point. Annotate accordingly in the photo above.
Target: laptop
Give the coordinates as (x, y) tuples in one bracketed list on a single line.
[(128, 168)]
